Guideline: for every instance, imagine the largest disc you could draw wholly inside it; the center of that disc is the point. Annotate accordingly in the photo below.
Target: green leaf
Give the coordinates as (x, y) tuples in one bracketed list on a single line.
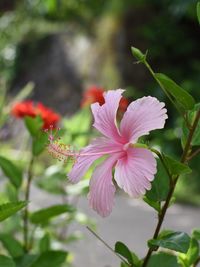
[(78, 132), (8, 209), (163, 260), (177, 241), (12, 245), (192, 254), (124, 251), (193, 251), (12, 192), (11, 171), (182, 97), (175, 167), (198, 11), (26, 261), (33, 125), (196, 233), (39, 143), (44, 215), (6, 262), (50, 259), (45, 243), (152, 203), (160, 185)]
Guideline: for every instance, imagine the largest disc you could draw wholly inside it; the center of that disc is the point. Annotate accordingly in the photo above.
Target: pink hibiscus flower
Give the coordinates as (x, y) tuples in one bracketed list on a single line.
[(134, 167)]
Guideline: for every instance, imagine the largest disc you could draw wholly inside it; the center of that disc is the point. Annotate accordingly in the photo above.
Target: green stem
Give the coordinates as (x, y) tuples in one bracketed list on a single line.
[(161, 215), (31, 238), (2, 102), (27, 197)]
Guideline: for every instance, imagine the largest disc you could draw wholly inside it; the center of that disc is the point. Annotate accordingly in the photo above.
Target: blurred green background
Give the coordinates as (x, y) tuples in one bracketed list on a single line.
[(63, 47)]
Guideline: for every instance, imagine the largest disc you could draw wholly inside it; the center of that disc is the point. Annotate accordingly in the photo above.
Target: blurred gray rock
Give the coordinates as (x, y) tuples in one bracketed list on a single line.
[(50, 64)]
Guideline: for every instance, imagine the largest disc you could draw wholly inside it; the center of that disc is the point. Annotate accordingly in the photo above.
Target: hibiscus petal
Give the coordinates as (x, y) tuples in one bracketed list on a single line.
[(105, 115), (142, 116), (135, 171), (98, 147), (102, 189)]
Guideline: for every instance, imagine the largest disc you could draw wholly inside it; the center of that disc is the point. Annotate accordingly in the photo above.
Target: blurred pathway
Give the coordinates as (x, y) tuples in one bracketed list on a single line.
[(131, 222)]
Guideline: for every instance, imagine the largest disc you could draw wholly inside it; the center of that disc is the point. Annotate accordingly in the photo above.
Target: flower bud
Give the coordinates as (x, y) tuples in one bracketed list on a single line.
[(138, 54)]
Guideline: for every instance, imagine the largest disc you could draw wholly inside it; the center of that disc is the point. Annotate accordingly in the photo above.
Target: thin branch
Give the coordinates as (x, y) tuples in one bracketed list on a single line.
[(109, 247), (26, 211), (31, 239), (189, 139), (192, 155)]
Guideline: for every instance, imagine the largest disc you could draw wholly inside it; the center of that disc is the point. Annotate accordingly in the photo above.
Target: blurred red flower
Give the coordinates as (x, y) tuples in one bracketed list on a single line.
[(27, 108), (49, 117), (92, 95), (95, 94), (22, 109)]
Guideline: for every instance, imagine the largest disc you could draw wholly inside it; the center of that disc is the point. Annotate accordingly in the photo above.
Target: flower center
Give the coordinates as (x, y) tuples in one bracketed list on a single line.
[(126, 146), (62, 152)]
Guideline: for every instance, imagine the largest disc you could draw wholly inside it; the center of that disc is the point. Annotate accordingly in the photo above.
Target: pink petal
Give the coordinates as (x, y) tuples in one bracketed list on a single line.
[(135, 171), (99, 147), (142, 116), (105, 115), (102, 189)]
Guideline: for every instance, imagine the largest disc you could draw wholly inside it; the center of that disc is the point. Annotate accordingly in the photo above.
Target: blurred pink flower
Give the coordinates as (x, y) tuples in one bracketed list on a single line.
[(134, 167)]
